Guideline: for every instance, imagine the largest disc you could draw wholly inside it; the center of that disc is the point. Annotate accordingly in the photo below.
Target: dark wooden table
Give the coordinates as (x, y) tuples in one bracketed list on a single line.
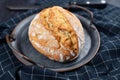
[(5, 14)]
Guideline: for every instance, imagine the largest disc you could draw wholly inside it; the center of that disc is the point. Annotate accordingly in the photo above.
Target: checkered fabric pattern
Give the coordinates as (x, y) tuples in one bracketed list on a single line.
[(104, 66)]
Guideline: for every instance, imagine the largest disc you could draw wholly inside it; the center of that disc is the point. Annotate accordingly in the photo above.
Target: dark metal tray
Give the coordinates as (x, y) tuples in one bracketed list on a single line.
[(25, 52)]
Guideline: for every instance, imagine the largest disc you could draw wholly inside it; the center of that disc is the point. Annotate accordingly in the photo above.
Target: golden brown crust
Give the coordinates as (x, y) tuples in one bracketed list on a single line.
[(54, 35)]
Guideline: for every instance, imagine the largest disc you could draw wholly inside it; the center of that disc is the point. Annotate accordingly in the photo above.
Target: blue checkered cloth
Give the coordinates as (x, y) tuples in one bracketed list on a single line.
[(104, 66)]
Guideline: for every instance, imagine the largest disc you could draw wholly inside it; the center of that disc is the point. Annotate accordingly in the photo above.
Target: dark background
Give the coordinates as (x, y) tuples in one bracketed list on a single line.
[(5, 14)]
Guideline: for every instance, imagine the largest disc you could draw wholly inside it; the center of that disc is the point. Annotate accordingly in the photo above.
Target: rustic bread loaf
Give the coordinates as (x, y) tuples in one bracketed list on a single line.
[(57, 34)]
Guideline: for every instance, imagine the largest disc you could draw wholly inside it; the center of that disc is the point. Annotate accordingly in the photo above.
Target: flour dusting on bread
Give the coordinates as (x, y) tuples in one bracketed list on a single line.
[(57, 34)]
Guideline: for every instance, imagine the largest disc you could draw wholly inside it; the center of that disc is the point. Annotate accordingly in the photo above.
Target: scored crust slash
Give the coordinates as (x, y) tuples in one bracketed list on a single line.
[(57, 34)]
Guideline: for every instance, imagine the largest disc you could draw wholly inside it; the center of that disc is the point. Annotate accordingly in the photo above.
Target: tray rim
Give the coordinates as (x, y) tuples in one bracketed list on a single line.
[(58, 70)]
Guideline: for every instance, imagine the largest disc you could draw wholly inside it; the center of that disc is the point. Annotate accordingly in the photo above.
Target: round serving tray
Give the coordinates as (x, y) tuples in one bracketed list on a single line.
[(25, 52)]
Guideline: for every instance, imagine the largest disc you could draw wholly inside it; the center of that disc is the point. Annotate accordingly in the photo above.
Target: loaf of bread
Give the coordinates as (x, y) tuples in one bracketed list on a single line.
[(57, 34)]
